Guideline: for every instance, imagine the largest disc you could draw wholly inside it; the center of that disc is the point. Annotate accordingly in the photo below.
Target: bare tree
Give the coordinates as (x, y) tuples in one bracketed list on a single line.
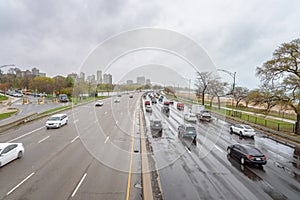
[(283, 70), (240, 93), (203, 80), (217, 89)]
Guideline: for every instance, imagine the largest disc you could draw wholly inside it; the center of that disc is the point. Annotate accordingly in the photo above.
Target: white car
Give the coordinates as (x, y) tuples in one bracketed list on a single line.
[(10, 152), (242, 130), (99, 103), (56, 121), (117, 100), (190, 117)]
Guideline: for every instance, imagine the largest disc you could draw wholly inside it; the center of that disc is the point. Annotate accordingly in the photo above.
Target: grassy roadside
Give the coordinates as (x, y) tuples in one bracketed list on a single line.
[(276, 125), (3, 98), (5, 115), (55, 109)]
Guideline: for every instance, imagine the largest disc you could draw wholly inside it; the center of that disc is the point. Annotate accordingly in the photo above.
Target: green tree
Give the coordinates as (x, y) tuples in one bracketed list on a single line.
[(42, 84), (283, 71)]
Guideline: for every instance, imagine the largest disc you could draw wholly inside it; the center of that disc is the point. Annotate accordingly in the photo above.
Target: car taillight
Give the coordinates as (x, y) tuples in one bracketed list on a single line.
[(264, 158), (250, 157)]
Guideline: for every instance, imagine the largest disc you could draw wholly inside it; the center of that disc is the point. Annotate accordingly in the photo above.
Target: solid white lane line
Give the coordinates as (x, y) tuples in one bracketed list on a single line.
[(25, 134), (19, 184), (43, 139), (219, 148), (74, 139), (77, 187), (106, 139), (105, 113), (75, 121), (117, 122)]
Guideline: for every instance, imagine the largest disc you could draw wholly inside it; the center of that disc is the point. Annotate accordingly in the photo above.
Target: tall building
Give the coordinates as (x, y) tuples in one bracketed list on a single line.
[(74, 76), (140, 80), (148, 82), (107, 78), (35, 71), (91, 79), (82, 76), (99, 77), (129, 82)]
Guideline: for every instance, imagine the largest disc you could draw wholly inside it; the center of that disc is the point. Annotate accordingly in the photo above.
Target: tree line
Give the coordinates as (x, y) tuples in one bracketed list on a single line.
[(279, 83)]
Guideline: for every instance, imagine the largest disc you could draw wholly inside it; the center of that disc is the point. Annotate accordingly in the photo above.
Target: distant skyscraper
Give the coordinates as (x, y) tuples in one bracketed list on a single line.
[(107, 78), (82, 76), (129, 82), (140, 80), (91, 79), (148, 82), (74, 76), (99, 76), (35, 72)]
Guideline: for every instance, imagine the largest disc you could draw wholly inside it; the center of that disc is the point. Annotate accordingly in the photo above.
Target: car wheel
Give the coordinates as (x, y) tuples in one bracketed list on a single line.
[(229, 151), (20, 154), (241, 134), (242, 160), (252, 137), (231, 131), (66, 122), (59, 125), (47, 128)]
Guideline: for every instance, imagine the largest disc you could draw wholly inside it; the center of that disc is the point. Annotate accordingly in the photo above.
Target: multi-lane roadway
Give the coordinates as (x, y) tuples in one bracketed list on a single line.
[(97, 156), (60, 164), (205, 171)]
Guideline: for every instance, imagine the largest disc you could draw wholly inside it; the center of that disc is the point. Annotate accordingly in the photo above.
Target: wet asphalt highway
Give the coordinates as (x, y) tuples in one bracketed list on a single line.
[(57, 164), (205, 171)]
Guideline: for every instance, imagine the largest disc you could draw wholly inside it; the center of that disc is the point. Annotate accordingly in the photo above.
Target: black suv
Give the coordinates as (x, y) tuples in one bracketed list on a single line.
[(187, 131), (156, 127)]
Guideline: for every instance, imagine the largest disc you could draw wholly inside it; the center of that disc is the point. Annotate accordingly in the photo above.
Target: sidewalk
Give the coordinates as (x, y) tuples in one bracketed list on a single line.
[(247, 112)]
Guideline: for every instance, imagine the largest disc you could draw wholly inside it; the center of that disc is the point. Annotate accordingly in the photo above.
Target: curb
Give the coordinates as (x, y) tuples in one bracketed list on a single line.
[(146, 179), (16, 122)]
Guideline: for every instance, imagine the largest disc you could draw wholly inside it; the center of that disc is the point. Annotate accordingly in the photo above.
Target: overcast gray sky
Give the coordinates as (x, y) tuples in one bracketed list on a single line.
[(57, 36)]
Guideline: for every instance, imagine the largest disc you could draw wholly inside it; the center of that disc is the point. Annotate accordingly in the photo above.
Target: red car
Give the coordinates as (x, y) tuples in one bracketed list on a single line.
[(180, 106), (147, 103)]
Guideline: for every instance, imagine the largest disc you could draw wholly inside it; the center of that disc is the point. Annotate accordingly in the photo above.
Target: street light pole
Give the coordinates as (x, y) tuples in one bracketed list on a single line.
[(233, 75)]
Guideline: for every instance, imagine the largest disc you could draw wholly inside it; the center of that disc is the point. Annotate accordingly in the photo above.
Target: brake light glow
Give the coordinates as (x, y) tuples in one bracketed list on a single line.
[(250, 157), (264, 158)]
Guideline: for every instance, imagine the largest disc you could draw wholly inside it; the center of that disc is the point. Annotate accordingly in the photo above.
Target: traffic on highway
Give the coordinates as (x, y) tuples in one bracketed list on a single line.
[(72, 156)]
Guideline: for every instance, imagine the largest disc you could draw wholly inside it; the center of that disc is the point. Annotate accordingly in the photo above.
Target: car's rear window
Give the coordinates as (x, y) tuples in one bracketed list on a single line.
[(189, 129), (53, 118), (253, 151)]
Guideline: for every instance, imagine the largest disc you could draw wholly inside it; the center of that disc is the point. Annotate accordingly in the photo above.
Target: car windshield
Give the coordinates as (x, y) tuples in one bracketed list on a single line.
[(157, 122), (53, 119)]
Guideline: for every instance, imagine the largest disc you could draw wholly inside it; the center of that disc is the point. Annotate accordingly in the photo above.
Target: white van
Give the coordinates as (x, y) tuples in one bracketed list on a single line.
[(190, 117), (56, 121)]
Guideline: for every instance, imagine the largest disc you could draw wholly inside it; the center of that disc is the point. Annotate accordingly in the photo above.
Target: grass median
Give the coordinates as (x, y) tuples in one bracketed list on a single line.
[(6, 115)]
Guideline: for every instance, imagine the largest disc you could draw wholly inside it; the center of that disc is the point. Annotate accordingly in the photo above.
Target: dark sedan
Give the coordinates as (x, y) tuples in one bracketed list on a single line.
[(247, 154)]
